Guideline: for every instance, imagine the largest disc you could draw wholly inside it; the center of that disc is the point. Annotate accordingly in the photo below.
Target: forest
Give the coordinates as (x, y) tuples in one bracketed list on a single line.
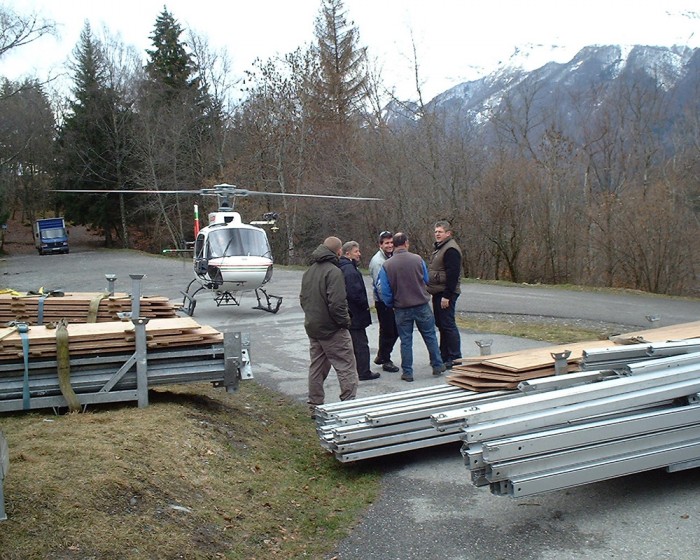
[(615, 205)]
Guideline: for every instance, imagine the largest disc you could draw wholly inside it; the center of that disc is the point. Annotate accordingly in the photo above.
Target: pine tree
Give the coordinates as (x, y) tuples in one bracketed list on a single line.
[(93, 143), (341, 88), (338, 93), (170, 65), (178, 120)]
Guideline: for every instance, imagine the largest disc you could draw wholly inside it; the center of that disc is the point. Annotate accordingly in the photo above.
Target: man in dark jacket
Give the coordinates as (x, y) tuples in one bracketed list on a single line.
[(358, 306), (402, 285), (326, 321), (445, 271)]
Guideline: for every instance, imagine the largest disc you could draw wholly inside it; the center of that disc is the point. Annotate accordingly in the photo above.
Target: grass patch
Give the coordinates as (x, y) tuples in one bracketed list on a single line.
[(199, 473), (554, 333)]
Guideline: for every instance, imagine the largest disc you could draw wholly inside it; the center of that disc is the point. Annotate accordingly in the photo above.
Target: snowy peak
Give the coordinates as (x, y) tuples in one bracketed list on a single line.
[(555, 82)]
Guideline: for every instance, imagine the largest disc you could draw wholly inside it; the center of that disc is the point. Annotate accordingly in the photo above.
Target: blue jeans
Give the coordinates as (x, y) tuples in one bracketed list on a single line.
[(422, 317), (450, 340)]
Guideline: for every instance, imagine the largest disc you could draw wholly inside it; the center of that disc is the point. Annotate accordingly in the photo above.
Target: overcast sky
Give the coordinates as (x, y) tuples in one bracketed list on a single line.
[(456, 40)]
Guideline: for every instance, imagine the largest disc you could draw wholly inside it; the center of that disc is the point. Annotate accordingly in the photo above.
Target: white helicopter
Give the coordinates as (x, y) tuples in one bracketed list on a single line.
[(230, 256)]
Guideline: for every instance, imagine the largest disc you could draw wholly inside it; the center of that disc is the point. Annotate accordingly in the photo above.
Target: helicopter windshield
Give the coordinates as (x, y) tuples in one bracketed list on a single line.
[(237, 242)]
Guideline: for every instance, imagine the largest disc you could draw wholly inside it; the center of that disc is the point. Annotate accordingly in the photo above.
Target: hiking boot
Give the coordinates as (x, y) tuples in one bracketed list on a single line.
[(408, 378), (438, 370), (372, 375), (390, 367)]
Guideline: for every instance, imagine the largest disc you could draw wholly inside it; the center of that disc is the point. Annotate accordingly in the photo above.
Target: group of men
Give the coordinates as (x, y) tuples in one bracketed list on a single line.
[(337, 313)]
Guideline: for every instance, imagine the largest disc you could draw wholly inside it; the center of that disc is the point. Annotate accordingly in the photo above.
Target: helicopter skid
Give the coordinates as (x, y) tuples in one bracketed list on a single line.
[(269, 307), (224, 297)]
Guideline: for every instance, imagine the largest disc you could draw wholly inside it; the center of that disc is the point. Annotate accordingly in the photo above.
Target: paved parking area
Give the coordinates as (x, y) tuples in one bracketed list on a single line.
[(428, 508)]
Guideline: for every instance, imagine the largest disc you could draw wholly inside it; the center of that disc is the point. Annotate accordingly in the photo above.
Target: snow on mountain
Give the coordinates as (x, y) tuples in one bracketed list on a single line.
[(554, 77)]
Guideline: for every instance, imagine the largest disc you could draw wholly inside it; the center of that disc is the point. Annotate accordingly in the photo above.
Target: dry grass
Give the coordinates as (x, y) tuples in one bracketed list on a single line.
[(197, 474), (556, 333)]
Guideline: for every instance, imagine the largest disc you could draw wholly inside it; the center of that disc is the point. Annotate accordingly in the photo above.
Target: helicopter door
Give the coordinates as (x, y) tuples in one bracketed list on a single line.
[(201, 263)]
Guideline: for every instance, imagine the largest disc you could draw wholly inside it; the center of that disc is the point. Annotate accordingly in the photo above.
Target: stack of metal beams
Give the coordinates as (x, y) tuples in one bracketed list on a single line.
[(648, 379), (394, 422), (619, 356), (584, 427)]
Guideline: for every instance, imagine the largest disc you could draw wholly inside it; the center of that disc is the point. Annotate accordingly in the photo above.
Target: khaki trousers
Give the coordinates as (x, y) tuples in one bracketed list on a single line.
[(335, 351)]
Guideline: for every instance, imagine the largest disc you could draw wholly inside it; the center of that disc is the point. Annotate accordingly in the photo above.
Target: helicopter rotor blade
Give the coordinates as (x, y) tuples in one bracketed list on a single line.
[(295, 195), (235, 191), (223, 190), (114, 191)]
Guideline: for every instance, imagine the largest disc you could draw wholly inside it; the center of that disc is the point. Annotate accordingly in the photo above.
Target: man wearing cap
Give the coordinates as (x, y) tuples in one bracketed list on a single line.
[(326, 321), (388, 334)]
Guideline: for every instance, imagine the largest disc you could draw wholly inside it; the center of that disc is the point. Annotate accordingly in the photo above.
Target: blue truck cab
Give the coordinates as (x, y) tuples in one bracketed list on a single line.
[(50, 236)]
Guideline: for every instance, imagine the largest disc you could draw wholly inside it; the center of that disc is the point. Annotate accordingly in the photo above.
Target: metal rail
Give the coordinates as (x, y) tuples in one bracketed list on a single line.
[(117, 378), (647, 419), (552, 433), (4, 466)]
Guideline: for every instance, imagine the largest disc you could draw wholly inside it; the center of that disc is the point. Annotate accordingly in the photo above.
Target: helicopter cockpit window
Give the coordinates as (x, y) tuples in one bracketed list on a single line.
[(199, 246), (237, 242)]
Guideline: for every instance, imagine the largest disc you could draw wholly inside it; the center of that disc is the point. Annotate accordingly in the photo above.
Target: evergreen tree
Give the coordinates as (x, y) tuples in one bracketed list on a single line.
[(27, 132), (341, 88), (339, 92), (178, 123), (170, 66), (93, 147)]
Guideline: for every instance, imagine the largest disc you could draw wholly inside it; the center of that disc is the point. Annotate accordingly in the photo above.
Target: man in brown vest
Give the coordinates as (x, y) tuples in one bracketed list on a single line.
[(445, 273)]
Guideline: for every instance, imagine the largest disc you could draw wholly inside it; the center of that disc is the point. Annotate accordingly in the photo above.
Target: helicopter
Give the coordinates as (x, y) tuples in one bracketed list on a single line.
[(230, 257)]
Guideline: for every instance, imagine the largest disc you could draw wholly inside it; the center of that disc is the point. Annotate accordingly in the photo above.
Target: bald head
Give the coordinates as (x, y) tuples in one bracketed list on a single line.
[(400, 239), (334, 244)]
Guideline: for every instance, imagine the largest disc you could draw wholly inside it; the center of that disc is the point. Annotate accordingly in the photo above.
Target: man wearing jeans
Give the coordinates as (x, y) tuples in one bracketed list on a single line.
[(402, 285), (445, 271)]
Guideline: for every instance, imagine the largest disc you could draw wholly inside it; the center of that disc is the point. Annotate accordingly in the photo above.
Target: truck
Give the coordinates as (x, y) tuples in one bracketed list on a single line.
[(50, 236)]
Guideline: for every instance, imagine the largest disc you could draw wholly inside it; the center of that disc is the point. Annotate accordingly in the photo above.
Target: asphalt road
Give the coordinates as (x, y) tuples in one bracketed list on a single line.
[(428, 508)]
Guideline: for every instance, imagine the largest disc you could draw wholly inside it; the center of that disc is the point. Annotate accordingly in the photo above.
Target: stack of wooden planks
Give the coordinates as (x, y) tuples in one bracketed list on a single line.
[(79, 307), (505, 371), (94, 339)]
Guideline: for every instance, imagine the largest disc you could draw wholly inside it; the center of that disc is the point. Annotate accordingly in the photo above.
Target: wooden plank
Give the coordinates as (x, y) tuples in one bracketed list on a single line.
[(541, 357), (76, 306), (507, 376), (683, 331), (96, 338), (478, 386)]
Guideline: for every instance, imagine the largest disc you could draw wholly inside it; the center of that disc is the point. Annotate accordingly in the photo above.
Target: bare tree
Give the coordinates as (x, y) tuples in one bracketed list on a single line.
[(17, 30)]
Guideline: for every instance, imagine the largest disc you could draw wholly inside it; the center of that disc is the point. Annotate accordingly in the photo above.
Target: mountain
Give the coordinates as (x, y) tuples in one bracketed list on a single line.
[(566, 92)]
